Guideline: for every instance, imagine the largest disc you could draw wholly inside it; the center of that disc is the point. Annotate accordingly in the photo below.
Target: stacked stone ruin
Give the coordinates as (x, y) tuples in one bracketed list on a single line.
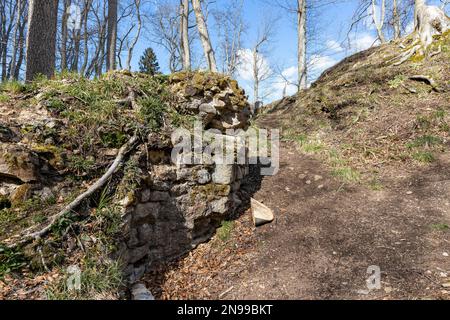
[(176, 207)]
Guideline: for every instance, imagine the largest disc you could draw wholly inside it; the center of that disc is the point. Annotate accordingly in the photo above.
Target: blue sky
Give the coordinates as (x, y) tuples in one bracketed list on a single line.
[(329, 46)]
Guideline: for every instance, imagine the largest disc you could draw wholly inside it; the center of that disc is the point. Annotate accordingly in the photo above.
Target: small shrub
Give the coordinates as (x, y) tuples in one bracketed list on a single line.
[(152, 112), (224, 232), (14, 87), (11, 260), (397, 81)]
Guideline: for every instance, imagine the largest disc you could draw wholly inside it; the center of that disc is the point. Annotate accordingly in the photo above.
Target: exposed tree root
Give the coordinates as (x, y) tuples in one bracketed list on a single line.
[(434, 53), (124, 150), (407, 55), (427, 80), (410, 90)]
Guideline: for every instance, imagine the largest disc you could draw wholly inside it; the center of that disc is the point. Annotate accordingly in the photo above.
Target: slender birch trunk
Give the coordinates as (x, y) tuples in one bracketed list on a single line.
[(301, 25), (184, 25), (204, 36)]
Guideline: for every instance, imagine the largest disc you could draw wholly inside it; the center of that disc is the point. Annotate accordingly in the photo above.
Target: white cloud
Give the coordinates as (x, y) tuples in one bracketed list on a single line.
[(363, 41), (290, 73), (245, 67), (285, 83), (245, 73), (335, 46), (319, 63)]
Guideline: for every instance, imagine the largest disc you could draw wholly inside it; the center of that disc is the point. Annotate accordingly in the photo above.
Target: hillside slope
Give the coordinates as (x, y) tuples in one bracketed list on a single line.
[(366, 116)]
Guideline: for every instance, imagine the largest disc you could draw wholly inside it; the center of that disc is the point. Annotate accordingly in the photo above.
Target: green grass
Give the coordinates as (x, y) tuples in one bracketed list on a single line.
[(4, 98), (397, 81), (306, 144), (440, 226), (224, 232), (346, 174), (13, 87), (423, 122), (425, 141), (11, 260), (440, 114), (80, 165), (375, 185), (423, 156), (313, 147), (97, 280), (7, 216)]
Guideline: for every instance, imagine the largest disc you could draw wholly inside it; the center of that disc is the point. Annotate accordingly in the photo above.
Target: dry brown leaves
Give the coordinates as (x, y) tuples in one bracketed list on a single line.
[(205, 272), (28, 286)]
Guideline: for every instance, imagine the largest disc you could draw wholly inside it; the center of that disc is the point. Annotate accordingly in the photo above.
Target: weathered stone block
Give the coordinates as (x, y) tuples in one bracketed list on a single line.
[(145, 233), (137, 254), (144, 210), (207, 108), (184, 174), (203, 176), (220, 206), (180, 189), (145, 195), (19, 163), (223, 174), (133, 240), (159, 196)]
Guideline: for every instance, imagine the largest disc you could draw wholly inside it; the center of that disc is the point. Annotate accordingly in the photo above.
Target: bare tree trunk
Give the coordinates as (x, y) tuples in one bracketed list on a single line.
[(379, 24), (64, 35), (41, 38), (112, 35), (396, 21), (2, 28), (204, 36), (7, 27), (430, 20), (256, 76), (301, 25), (76, 51), (16, 40), (21, 43), (87, 6), (185, 47), (417, 5), (137, 3)]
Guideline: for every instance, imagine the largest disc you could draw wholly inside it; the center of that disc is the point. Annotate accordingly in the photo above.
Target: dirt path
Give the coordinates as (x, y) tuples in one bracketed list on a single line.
[(327, 234)]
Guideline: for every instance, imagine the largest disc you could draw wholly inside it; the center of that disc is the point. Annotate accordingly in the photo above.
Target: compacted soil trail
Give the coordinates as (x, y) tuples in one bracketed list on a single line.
[(325, 236)]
